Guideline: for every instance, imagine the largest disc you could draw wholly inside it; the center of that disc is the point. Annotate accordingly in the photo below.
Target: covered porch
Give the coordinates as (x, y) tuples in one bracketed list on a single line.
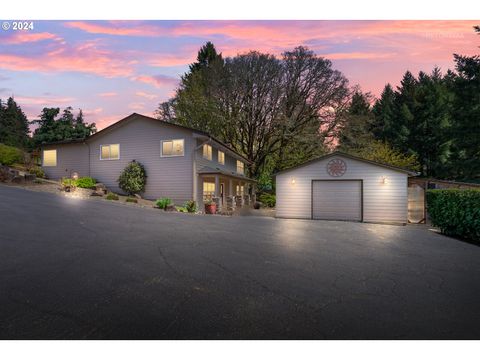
[(230, 191)]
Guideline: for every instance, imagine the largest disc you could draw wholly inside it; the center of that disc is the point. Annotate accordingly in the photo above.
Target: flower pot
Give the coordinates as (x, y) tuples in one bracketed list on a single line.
[(210, 208)]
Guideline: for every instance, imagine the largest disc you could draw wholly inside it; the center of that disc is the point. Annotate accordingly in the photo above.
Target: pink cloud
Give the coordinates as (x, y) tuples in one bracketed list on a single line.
[(43, 100), (86, 58), (108, 94), (26, 37), (157, 80), (358, 55), (115, 28), (136, 106), (146, 95)]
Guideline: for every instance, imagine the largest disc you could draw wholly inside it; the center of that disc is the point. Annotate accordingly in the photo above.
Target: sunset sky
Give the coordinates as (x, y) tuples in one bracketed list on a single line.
[(113, 68)]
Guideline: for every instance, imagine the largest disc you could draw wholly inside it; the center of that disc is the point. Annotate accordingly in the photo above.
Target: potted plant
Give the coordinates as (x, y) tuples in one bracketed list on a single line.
[(210, 207)]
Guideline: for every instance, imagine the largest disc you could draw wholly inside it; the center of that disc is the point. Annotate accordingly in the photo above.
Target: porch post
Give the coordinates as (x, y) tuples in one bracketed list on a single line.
[(217, 186), (230, 187)]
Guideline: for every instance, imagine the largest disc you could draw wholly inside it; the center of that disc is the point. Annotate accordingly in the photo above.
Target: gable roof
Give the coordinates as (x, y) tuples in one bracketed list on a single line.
[(121, 122), (353, 157)]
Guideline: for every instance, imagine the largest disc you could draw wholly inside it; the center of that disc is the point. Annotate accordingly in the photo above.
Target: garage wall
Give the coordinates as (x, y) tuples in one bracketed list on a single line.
[(381, 202)]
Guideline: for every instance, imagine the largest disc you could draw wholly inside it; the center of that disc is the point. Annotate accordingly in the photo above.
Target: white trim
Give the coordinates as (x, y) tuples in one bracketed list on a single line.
[(100, 156), (172, 140)]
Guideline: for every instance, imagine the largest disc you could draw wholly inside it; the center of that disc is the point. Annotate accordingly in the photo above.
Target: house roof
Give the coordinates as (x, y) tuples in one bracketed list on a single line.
[(208, 170), (133, 115), (339, 153)]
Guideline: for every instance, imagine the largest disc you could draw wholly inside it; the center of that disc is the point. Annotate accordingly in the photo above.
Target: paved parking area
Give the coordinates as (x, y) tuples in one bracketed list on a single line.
[(80, 269)]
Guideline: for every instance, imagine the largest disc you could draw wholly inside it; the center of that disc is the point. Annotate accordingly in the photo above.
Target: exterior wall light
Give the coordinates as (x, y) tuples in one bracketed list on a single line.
[(293, 181), (384, 180)]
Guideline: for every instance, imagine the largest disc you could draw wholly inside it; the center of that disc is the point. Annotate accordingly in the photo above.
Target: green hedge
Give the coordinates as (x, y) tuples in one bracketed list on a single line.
[(268, 200), (455, 212), (10, 155)]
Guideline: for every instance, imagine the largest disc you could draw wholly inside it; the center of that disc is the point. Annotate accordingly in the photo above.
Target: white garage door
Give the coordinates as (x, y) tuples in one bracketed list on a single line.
[(337, 200)]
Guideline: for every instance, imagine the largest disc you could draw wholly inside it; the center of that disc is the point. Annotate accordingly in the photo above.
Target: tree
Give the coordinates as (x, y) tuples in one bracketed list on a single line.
[(383, 153), (263, 106), (67, 127), (430, 138), (14, 128), (356, 131)]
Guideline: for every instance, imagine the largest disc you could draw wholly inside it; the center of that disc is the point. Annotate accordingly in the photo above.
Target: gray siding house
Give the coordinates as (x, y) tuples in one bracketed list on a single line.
[(181, 163)]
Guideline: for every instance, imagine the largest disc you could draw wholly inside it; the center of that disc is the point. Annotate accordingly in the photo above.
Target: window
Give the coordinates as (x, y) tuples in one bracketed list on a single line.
[(240, 190), (208, 189), (221, 157), (49, 157), (110, 152), (240, 167), (172, 147), (207, 151)]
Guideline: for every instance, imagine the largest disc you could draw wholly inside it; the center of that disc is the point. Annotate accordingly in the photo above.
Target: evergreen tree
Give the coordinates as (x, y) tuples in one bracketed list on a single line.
[(14, 128), (384, 127), (67, 127), (356, 128)]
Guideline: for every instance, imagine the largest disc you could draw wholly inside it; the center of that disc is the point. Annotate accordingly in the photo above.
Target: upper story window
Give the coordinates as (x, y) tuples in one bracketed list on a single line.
[(221, 157), (110, 152), (240, 167), (172, 147), (49, 157), (207, 152)]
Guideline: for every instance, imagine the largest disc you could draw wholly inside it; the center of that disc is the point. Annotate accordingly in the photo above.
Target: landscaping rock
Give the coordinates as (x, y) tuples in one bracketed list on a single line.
[(30, 177), (18, 179), (101, 188), (138, 196), (170, 207), (97, 193)]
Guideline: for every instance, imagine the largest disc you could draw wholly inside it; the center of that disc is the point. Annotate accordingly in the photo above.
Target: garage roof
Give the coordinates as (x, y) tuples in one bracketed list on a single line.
[(339, 153)]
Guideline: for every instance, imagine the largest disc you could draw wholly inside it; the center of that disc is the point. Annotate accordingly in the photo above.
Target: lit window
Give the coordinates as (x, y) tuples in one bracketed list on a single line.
[(207, 151), (240, 190), (240, 167), (208, 189), (49, 157), (110, 152), (172, 147), (221, 157)]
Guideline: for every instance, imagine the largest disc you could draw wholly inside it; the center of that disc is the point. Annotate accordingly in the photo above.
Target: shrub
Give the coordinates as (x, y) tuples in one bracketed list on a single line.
[(68, 182), (455, 212), (37, 171), (131, 200), (10, 155), (191, 206), (268, 199), (85, 182), (163, 203), (133, 178), (111, 196), (182, 209)]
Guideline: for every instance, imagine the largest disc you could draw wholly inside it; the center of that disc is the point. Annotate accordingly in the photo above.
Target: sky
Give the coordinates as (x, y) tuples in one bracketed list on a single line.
[(111, 69)]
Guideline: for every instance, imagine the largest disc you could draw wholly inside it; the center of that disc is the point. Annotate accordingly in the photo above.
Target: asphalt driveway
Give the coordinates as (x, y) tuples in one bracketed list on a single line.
[(81, 269)]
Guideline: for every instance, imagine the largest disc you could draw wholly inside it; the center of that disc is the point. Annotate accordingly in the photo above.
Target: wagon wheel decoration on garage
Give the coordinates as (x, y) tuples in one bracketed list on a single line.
[(336, 167)]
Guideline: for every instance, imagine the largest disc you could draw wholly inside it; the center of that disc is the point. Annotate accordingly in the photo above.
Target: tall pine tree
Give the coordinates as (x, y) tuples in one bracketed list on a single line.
[(14, 128)]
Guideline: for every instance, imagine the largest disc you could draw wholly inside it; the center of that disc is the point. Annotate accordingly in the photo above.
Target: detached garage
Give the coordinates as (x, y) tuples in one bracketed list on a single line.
[(339, 186)]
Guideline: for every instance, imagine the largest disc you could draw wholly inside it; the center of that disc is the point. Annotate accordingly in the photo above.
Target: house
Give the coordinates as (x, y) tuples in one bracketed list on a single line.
[(339, 186), (181, 163)]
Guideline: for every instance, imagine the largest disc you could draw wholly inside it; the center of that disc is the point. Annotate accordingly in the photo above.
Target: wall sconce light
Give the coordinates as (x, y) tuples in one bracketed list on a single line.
[(293, 181), (384, 180)]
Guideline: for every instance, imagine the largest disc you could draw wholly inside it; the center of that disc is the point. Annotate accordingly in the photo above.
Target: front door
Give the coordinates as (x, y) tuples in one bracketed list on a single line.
[(222, 186)]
